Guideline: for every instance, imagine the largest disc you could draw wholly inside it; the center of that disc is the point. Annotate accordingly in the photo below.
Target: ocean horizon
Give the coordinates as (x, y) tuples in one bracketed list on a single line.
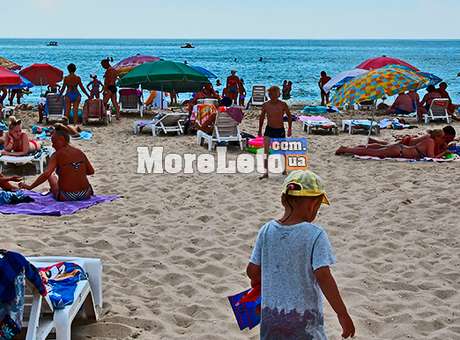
[(298, 60)]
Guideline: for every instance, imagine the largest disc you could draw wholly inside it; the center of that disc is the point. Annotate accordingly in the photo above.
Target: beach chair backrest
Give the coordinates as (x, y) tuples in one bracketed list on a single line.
[(439, 107), (129, 101), (55, 104), (258, 95), (225, 126)]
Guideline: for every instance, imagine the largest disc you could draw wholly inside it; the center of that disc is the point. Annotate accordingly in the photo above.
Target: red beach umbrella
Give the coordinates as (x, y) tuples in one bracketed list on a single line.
[(9, 78), (379, 62), (128, 64), (42, 74)]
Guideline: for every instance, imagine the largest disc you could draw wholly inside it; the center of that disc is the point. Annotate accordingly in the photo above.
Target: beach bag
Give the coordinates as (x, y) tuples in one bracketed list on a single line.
[(11, 313)]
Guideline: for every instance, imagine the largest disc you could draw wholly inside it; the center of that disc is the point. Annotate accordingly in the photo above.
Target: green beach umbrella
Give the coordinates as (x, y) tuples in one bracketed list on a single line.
[(164, 76)]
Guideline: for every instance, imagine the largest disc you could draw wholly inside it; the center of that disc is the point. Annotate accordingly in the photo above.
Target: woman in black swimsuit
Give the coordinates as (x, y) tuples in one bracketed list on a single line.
[(426, 148)]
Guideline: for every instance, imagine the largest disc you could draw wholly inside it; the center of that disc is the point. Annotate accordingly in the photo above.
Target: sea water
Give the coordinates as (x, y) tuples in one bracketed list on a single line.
[(299, 61)]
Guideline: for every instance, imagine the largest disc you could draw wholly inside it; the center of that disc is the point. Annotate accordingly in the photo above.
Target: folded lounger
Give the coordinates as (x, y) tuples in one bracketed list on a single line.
[(352, 125), (319, 123), (163, 122), (43, 318), (38, 159)]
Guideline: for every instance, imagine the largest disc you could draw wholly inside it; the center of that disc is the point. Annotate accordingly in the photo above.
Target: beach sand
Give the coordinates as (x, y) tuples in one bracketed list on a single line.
[(175, 246)]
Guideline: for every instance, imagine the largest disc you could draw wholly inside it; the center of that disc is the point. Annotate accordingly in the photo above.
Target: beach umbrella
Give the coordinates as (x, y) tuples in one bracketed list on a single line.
[(166, 76), (130, 63), (42, 74), (379, 62), (205, 72), (9, 65), (343, 78), (434, 80), (25, 84), (8, 78), (387, 81)]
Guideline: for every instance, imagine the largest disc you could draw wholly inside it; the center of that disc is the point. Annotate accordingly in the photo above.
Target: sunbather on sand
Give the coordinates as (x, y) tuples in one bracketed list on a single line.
[(5, 182), (67, 171), (425, 148), (449, 136), (16, 142)]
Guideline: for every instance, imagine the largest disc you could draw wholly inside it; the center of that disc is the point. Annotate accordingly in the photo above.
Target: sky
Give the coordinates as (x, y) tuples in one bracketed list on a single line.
[(239, 19)]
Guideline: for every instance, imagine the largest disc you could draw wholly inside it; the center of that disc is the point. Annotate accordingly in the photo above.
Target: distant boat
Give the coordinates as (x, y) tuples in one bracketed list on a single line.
[(187, 45), (52, 43)]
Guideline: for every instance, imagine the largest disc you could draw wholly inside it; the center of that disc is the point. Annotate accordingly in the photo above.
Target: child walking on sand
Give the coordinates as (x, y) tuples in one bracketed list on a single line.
[(291, 260)]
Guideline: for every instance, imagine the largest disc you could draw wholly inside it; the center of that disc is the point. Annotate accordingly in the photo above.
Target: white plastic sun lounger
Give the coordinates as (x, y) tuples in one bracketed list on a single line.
[(259, 95), (165, 122), (316, 123), (351, 125), (438, 111), (39, 159), (226, 129), (43, 318)]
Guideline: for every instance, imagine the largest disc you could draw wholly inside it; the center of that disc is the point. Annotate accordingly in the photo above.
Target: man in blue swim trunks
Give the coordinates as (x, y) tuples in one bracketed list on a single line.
[(274, 110)]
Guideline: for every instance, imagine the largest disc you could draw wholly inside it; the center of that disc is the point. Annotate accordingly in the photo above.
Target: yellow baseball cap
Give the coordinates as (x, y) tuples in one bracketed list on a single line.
[(304, 183)]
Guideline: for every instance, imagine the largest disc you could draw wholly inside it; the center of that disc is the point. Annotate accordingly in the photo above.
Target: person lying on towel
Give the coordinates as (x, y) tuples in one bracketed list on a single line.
[(67, 171), (5, 182), (424, 149), (16, 142), (449, 137)]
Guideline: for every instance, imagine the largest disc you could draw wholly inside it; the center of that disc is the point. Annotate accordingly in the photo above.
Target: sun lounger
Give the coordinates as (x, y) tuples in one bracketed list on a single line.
[(438, 111), (6, 112), (94, 110), (54, 108), (258, 96), (38, 159), (226, 129), (131, 101), (352, 125), (317, 123), (43, 319), (165, 122)]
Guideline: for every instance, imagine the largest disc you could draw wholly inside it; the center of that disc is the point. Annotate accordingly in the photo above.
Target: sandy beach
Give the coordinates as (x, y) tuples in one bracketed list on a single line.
[(175, 246)]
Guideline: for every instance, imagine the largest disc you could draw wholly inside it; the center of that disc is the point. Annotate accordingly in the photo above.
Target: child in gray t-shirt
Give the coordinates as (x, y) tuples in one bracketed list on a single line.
[(291, 260)]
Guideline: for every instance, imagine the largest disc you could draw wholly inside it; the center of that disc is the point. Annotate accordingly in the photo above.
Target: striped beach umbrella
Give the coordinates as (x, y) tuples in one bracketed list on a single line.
[(387, 81), (128, 64), (9, 65)]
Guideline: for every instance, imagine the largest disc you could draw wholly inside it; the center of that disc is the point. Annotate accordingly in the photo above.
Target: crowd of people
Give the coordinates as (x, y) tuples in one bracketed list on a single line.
[(408, 102)]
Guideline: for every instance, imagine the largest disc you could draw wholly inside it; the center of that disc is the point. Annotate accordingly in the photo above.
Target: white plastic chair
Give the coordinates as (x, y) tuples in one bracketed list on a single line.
[(259, 95), (43, 318), (226, 129), (438, 111)]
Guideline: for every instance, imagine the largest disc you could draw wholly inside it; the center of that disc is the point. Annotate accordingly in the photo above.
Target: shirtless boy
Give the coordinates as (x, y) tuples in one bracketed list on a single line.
[(274, 109)]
